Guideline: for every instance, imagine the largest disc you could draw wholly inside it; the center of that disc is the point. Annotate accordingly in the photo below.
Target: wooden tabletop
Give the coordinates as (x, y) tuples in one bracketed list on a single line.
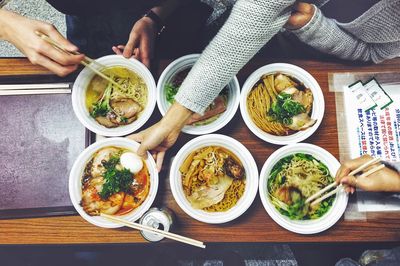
[(254, 225)]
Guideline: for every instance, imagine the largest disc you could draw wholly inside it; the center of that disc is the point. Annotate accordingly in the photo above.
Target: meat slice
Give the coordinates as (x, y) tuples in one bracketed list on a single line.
[(125, 107), (218, 108), (301, 122)]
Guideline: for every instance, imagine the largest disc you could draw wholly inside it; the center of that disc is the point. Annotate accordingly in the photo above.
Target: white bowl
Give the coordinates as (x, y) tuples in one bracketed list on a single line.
[(304, 77), (308, 226), (251, 178), (163, 105), (75, 185), (83, 80)]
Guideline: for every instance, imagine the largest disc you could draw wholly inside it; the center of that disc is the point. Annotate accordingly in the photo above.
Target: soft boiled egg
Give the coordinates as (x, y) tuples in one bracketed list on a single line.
[(132, 162)]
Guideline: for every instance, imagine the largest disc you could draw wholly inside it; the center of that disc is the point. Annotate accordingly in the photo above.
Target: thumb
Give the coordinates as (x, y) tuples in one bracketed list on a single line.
[(131, 45), (142, 151)]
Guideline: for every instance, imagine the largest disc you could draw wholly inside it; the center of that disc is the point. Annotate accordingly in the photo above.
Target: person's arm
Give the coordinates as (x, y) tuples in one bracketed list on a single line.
[(326, 36), (161, 136), (384, 180), (250, 26), (144, 32), (20, 31)]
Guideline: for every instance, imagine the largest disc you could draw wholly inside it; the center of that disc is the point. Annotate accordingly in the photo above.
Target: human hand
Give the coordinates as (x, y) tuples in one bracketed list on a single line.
[(384, 180), (161, 136), (141, 42), (301, 15), (20, 31)]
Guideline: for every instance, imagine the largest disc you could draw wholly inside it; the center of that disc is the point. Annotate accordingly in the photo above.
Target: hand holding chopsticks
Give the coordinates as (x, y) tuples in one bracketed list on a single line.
[(86, 61), (315, 199), (169, 235)]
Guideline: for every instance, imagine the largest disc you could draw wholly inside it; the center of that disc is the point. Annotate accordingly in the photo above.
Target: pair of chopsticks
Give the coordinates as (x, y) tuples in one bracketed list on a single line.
[(339, 187), (30, 89), (169, 235), (87, 61)]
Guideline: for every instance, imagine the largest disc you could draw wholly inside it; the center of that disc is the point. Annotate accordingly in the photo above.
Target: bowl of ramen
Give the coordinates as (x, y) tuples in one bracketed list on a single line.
[(214, 178), (291, 175), (111, 110), (216, 116), (109, 177), (282, 104)]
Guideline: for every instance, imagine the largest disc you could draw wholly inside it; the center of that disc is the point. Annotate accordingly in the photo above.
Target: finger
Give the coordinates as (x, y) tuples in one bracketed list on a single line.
[(136, 53), (58, 56), (53, 33), (56, 68), (131, 45), (138, 137), (154, 155), (350, 181), (352, 190), (348, 190), (116, 50), (146, 49), (303, 7), (160, 159)]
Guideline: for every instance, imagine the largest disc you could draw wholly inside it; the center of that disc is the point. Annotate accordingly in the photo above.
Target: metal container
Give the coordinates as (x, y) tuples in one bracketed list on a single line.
[(160, 218)]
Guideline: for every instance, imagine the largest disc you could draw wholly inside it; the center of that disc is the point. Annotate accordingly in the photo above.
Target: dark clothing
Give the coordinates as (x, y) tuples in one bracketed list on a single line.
[(90, 7), (95, 33), (345, 11)]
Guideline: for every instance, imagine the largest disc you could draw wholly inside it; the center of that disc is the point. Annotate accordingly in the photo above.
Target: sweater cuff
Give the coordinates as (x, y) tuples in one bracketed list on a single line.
[(392, 165), (311, 25), (187, 102)]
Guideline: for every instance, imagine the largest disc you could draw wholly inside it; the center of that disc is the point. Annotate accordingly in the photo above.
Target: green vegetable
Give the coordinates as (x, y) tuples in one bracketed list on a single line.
[(102, 106), (170, 92), (115, 180), (284, 108)]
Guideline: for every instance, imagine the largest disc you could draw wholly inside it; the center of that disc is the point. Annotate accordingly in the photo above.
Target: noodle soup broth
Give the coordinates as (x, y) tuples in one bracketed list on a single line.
[(110, 110), (112, 106), (214, 178), (282, 104), (108, 177), (289, 176)]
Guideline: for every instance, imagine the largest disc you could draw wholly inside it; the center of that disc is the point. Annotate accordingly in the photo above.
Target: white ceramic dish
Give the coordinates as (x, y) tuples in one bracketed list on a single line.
[(75, 185), (163, 105), (298, 73), (251, 178), (79, 95), (310, 226)]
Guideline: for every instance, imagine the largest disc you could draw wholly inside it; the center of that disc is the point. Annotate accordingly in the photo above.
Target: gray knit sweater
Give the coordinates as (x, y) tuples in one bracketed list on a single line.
[(374, 36)]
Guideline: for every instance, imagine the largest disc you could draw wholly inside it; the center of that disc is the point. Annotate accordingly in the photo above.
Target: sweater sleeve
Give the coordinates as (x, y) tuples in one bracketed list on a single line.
[(393, 165), (325, 35), (250, 26)]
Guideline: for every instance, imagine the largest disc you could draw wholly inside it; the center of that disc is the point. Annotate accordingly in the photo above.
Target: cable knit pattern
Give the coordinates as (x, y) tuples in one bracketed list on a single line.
[(373, 36), (250, 26)]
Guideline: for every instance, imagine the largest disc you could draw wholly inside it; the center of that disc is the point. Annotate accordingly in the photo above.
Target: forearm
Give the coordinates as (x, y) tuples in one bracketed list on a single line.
[(176, 117), (250, 26), (326, 36), (5, 18)]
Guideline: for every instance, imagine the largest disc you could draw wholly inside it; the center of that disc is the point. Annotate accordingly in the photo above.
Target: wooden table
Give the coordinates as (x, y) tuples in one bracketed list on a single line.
[(254, 225)]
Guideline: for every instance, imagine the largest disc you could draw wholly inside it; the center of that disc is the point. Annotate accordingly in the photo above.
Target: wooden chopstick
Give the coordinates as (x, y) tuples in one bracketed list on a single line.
[(34, 92), (169, 235), (373, 170), (322, 191), (86, 62), (365, 165), (34, 86), (354, 172)]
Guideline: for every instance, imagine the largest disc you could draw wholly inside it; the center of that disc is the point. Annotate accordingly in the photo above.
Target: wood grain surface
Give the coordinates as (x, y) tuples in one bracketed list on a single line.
[(254, 225)]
